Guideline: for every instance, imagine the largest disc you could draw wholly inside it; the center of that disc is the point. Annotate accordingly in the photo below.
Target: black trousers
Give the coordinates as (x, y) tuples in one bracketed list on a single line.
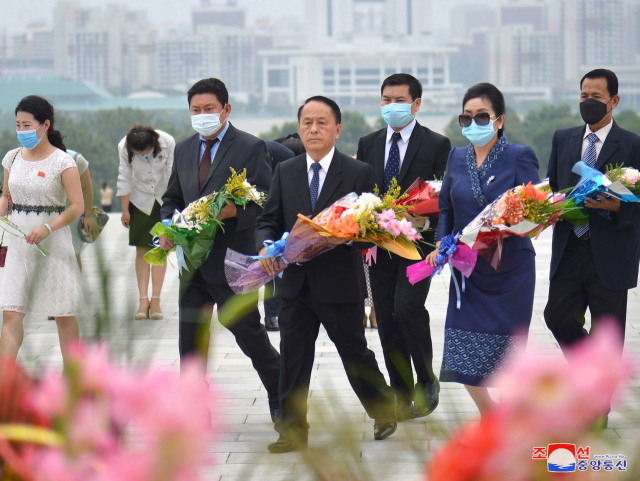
[(403, 323), (197, 295), (300, 320), (575, 287), (272, 300)]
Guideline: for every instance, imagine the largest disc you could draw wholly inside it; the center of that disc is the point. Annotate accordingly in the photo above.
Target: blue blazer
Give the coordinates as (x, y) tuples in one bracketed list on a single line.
[(516, 165), (615, 241)]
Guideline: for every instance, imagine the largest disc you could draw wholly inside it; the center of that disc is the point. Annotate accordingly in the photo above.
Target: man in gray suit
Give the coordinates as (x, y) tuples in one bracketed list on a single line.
[(202, 166)]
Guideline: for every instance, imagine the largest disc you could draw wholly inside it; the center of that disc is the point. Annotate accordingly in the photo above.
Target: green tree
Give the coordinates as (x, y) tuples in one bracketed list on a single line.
[(354, 126), (276, 132), (629, 120)]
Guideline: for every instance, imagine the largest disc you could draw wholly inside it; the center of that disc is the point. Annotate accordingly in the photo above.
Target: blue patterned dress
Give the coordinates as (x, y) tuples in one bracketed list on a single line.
[(496, 307)]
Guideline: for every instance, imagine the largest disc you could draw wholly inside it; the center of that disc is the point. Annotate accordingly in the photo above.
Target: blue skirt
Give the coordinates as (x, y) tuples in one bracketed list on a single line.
[(493, 319)]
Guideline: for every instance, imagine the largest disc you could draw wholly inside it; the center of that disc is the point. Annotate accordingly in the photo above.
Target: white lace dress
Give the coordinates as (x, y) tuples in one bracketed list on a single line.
[(32, 283)]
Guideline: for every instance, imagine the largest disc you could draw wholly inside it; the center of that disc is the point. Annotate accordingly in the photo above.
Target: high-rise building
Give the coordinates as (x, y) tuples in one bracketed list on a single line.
[(632, 33), (465, 19), (114, 50), (353, 45), (532, 13)]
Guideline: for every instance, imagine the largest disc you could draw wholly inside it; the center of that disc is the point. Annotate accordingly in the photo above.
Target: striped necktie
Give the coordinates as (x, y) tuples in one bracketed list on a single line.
[(589, 158)]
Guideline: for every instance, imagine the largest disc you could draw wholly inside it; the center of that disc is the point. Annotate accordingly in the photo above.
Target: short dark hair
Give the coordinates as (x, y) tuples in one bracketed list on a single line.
[(210, 86), (491, 93), (415, 87), (608, 75), (325, 100)]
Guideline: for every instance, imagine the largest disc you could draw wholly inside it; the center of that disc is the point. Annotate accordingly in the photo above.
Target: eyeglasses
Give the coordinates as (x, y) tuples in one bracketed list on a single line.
[(483, 118)]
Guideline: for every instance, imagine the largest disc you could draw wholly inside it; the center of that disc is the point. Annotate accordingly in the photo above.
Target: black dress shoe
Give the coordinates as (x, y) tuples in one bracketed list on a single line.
[(426, 399), (404, 411), (284, 445), (271, 323), (385, 426)]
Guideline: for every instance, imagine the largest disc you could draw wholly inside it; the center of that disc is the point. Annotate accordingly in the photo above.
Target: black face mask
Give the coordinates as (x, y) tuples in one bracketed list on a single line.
[(593, 111)]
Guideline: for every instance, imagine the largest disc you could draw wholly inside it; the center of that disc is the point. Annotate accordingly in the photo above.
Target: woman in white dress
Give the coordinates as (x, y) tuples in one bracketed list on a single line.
[(146, 159), (40, 178)]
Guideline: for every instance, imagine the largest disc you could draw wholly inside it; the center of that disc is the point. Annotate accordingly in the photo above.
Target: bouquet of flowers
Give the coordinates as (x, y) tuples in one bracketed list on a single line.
[(193, 230), (627, 176), (364, 218), (422, 198)]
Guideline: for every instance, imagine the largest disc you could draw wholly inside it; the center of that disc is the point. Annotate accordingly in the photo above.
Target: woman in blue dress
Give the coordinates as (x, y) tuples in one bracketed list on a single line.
[(496, 307)]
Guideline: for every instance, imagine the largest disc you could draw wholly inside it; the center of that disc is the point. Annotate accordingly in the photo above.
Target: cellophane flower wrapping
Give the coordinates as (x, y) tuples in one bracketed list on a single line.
[(422, 198), (520, 211), (303, 244), (358, 218), (195, 228)]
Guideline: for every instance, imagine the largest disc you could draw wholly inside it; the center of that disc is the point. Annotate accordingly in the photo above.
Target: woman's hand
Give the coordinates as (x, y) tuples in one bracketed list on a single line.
[(125, 219), (91, 225), (166, 244), (38, 235), (431, 258)]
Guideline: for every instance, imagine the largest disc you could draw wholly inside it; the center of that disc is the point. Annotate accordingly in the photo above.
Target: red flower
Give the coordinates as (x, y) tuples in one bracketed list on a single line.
[(468, 453)]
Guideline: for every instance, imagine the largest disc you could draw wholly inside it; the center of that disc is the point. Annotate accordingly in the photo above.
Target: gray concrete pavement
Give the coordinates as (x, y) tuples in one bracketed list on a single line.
[(246, 428)]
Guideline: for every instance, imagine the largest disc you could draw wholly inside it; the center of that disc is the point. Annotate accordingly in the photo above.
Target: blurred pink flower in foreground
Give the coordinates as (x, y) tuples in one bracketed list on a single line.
[(124, 424), (542, 400)]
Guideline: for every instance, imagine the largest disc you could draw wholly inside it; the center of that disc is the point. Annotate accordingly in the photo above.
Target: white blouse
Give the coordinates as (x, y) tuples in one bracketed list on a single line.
[(146, 179)]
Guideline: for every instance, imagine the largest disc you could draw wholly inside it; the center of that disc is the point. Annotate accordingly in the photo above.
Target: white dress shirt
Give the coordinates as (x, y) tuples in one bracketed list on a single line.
[(322, 173), (146, 179), (601, 134), (403, 142)]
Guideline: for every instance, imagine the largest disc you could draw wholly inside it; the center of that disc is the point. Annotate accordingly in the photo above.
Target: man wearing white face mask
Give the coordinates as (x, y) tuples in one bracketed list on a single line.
[(404, 150), (202, 166)]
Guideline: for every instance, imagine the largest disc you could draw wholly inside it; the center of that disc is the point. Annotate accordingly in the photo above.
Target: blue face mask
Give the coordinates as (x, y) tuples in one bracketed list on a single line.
[(29, 138), (479, 135), (397, 115), (145, 156)]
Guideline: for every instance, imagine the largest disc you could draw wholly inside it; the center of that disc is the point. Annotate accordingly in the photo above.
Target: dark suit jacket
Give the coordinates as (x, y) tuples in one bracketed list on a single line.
[(426, 157), (615, 241), (239, 150), (336, 276)]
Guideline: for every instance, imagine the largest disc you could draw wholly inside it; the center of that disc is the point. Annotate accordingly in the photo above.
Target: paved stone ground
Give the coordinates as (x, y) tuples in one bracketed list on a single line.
[(241, 449)]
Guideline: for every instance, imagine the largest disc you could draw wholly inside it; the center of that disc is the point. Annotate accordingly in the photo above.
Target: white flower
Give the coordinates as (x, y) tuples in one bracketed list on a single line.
[(369, 201)]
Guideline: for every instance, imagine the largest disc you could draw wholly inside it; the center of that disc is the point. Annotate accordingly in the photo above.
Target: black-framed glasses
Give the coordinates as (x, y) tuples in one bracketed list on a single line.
[(483, 118)]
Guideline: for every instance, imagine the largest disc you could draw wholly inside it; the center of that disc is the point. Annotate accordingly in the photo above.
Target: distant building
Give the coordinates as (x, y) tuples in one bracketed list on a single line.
[(27, 53), (353, 46)]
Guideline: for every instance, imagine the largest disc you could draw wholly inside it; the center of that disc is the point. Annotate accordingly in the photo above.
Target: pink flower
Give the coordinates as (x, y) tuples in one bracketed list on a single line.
[(386, 215), (394, 228), (50, 397), (557, 197)]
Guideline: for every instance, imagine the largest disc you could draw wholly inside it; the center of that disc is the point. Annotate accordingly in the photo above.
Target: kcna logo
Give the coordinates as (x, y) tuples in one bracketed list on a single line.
[(561, 457)]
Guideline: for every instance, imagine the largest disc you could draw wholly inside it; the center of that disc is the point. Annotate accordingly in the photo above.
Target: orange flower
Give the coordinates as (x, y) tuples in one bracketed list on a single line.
[(349, 225), (512, 209), (530, 191), (346, 226)]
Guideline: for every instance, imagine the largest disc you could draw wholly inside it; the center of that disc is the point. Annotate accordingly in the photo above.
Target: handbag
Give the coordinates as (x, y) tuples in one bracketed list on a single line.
[(3, 251), (102, 219)]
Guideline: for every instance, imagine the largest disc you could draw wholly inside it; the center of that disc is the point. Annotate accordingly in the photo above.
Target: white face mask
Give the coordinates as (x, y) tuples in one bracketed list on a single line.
[(207, 124)]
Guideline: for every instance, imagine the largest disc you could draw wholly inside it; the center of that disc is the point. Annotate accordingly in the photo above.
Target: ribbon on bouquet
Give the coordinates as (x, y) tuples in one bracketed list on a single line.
[(592, 181), (371, 255), (460, 256), (274, 249), (182, 263)]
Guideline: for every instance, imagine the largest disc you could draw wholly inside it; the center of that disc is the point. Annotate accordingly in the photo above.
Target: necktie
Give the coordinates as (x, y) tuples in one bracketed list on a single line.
[(315, 184), (392, 169), (589, 158), (205, 163)]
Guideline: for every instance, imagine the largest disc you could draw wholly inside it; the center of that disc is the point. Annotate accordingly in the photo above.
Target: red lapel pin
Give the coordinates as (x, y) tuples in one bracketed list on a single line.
[(40, 174)]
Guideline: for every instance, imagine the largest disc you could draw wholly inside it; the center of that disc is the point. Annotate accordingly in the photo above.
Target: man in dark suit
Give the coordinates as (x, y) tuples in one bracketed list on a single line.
[(594, 266), (272, 302), (405, 150), (202, 166), (328, 290)]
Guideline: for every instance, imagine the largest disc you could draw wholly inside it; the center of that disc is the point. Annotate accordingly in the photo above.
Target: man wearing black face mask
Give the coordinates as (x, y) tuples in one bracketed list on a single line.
[(594, 266)]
